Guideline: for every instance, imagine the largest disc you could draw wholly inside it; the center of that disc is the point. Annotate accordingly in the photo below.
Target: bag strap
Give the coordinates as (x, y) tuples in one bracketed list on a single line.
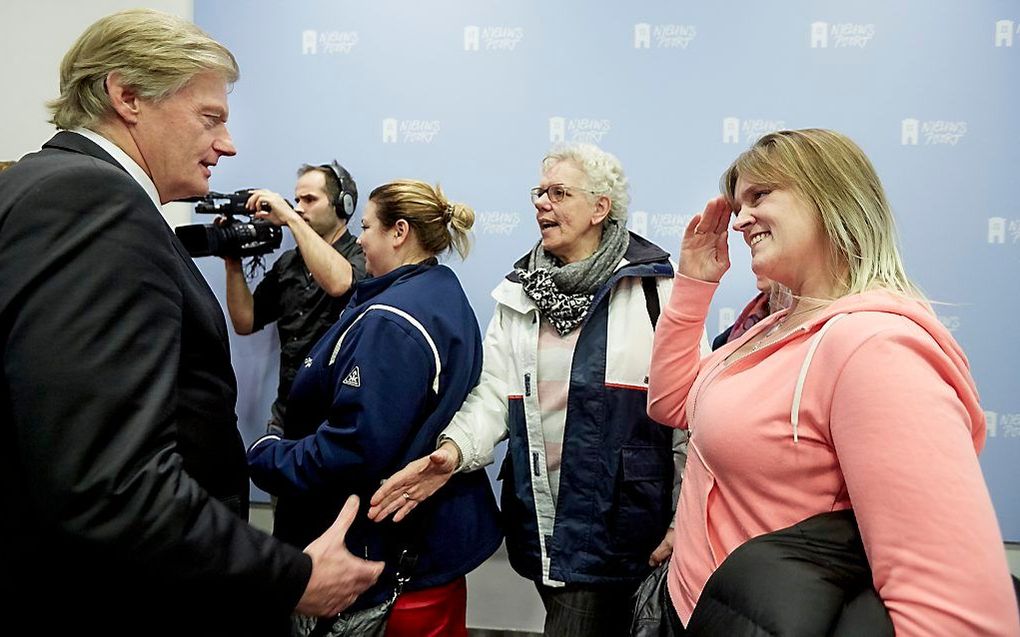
[(406, 536), (405, 565), (648, 283)]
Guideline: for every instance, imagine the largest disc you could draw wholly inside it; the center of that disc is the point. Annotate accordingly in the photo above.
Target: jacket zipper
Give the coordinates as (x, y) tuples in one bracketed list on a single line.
[(536, 467)]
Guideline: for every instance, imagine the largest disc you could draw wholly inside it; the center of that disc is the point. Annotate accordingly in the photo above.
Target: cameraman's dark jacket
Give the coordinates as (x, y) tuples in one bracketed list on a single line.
[(302, 310)]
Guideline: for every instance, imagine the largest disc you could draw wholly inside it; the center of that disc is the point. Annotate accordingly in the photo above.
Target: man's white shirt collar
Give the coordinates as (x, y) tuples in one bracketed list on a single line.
[(122, 158)]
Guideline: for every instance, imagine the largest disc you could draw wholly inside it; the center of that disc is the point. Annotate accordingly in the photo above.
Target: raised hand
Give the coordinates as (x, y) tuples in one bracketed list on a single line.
[(402, 491), (337, 576), (271, 206), (704, 249)]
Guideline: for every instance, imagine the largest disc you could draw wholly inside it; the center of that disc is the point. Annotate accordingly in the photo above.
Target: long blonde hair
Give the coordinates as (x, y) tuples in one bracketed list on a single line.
[(834, 175)]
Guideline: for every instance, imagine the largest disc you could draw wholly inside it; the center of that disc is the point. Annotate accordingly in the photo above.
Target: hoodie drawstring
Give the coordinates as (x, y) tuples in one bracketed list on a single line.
[(799, 390)]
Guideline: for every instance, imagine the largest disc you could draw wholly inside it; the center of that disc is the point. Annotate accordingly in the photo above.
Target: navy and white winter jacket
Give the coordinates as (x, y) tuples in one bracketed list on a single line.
[(373, 395), (618, 472)]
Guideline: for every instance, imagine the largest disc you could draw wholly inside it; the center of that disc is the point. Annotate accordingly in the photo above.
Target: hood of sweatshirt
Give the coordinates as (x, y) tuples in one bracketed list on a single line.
[(956, 372)]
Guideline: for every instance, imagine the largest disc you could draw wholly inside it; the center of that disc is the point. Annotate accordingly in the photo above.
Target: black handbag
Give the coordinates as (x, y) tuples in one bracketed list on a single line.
[(366, 622), (370, 622), (652, 607)]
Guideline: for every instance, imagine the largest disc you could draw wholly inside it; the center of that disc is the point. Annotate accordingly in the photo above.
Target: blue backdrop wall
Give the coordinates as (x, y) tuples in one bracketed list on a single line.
[(472, 93)]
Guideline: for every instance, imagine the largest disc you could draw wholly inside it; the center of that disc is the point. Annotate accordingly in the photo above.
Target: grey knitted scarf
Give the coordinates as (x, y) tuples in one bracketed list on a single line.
[(563, 293)]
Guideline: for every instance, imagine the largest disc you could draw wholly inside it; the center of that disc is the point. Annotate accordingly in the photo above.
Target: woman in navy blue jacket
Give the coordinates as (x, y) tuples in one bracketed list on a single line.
[(375, 393)]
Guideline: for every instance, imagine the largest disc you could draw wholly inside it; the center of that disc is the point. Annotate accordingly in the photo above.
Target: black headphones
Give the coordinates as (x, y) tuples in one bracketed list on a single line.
[(347, 200)]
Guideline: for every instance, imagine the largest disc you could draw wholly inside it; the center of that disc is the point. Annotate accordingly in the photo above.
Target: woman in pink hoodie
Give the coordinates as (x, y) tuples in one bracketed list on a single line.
[(855, 397)]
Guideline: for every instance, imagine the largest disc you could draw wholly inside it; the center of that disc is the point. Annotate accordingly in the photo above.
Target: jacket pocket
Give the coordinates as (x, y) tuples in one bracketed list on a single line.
[(641, 508)]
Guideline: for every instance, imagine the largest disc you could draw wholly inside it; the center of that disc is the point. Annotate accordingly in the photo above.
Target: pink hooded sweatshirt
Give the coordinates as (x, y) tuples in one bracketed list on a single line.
[(870, 405)]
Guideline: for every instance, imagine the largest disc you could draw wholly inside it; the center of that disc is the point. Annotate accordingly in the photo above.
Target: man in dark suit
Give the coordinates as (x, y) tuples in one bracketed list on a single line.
[(123, 474)]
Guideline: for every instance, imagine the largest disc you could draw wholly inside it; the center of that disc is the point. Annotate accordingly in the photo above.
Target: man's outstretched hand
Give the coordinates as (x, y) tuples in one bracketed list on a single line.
[(338, 577)]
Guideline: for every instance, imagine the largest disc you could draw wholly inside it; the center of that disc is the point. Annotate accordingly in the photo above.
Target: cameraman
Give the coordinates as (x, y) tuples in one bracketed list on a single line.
[(308, 286)]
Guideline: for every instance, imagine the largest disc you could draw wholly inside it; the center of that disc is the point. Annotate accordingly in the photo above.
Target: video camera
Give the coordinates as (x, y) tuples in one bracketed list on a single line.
[(231, 237)]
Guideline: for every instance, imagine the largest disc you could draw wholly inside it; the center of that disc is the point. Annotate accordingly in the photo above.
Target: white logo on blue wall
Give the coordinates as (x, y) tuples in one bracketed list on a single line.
[(991, 423), (669, 224), (910, 129), (731, 130), (578, 129), (727, 316), (389, 131), (660, 225), (492, 38), (996, 230), (1000, 229), (327, 42), (642, 35), (557, 129), (497, 223), (819, 35), (637, 222), (1009, 425), (472, 35), (1002, 425), (933, 132), (1004, 32), (748, 130), (841, 35), (663, 36), (309, 42), (409, 131)]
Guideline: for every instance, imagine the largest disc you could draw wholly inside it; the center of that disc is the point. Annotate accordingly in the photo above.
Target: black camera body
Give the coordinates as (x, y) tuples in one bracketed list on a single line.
[(232, 237)]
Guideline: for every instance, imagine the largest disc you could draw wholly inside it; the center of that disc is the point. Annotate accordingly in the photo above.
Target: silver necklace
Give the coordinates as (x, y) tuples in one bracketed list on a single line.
[(766, 340), (766, 337)]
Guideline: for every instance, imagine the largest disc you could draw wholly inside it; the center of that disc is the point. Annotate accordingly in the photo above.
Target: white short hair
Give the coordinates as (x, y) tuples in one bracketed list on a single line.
[(603, 171)]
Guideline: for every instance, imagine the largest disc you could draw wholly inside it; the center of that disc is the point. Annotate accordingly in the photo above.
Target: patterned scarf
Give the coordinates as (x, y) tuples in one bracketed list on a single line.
[(563, 293), (755, 311)]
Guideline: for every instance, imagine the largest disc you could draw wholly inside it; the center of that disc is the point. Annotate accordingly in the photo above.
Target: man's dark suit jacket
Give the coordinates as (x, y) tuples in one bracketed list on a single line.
[(122, 472)]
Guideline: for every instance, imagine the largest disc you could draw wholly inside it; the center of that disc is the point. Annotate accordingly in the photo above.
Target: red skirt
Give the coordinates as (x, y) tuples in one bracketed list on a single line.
[(440, 611)]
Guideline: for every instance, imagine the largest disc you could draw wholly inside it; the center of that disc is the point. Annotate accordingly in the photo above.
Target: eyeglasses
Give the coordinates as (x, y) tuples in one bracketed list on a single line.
[(557, 192)]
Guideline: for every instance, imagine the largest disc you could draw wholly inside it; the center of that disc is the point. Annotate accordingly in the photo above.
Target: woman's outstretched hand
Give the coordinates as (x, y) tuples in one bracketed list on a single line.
[(704, 250), (402, 491)]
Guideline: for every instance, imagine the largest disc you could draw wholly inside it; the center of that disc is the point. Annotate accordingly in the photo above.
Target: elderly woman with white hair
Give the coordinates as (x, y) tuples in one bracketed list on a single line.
[(588, 477)]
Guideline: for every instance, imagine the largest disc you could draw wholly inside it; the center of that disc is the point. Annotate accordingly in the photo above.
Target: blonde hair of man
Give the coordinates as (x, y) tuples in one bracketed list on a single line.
[(156, 54)]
